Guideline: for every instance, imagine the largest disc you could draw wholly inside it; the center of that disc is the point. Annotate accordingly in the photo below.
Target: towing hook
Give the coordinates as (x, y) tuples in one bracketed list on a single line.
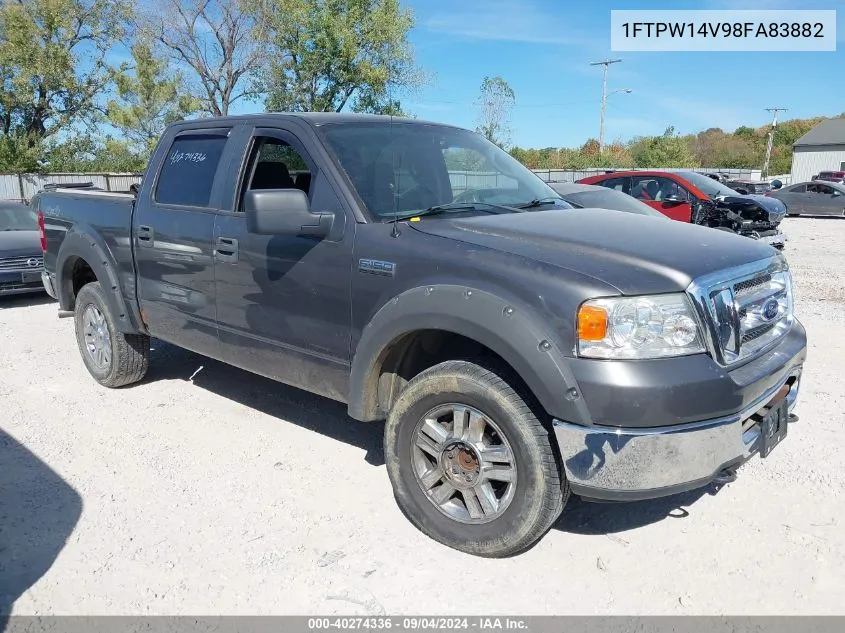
[(727, 476)]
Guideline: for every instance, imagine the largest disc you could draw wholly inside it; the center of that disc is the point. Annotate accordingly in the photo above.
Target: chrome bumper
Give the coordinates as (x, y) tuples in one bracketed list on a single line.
[(49, 285), (630, 464)]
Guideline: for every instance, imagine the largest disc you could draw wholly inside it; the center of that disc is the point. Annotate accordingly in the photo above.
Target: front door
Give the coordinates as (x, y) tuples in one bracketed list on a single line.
[(283, 302), (824, 199), (173, 229), (663, 194)]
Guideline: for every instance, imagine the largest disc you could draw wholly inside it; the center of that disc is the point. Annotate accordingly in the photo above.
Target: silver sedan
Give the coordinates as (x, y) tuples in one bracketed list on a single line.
[(812, 198)]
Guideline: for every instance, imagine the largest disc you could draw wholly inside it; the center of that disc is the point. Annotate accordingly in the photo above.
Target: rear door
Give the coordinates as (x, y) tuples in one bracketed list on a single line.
[(663, 194), (794, 198), (173, 231)]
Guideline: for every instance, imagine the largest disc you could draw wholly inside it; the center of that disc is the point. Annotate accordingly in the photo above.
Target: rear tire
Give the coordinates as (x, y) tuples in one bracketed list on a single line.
[(506, 485), (113, 358)]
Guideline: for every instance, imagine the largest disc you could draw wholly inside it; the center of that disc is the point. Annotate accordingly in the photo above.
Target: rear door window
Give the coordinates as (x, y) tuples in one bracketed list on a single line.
[(187, 175), (798, 189)]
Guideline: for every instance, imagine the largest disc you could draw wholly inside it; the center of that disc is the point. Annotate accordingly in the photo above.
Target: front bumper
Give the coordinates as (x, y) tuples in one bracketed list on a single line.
[(634, 464), (626, 462), (778, 240), (13, 283)]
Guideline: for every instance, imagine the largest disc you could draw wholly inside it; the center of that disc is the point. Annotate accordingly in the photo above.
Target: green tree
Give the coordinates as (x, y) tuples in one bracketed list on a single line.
[(53, 65), (327, 55), (495, 106), (81, 153), (668, 150), (149, 99)]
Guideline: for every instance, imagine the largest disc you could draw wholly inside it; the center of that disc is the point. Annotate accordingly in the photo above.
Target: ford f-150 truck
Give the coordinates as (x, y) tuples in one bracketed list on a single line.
[(519, 350)]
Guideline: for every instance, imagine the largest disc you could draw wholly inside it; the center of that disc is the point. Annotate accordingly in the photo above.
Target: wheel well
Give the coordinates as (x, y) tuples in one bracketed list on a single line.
[(412, 353), (78, 273)]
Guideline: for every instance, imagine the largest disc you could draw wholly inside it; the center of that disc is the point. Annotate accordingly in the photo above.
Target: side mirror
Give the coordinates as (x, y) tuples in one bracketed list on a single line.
[(674, 199), (836, 192), (284, 212)]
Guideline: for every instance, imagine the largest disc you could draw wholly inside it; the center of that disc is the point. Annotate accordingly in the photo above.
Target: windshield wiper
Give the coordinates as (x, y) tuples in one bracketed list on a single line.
[(440, 209), (538, 202)]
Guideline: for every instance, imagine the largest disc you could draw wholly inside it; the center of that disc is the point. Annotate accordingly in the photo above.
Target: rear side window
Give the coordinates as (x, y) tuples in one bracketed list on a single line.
[(187, 176)]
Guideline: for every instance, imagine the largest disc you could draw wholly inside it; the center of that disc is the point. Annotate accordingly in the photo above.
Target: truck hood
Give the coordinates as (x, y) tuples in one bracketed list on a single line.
[(20, 243), (635, 254), (752, 206)]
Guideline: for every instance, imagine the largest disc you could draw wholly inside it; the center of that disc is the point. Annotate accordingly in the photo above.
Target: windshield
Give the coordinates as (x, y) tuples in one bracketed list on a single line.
[(610, 199), (406, 167), (17, 217), (709, 186)]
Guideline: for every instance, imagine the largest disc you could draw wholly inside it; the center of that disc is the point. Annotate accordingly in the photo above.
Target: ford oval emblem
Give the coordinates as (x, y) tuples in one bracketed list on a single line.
[(770, 309)]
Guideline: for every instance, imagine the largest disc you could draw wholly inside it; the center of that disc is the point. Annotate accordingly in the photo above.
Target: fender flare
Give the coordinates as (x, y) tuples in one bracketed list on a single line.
[(508, 328), (90, 247)]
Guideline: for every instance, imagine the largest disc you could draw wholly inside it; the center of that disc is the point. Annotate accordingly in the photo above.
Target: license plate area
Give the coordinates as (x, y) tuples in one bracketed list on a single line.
[(30, 278), (773, 427)]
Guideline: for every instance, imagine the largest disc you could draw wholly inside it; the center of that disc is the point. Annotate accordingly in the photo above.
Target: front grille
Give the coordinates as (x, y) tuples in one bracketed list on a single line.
[(21, 263), (746, 310), (748, 285), (756, 332)]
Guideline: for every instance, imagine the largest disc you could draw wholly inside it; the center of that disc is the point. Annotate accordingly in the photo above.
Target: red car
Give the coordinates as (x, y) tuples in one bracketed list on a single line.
[(688, 196), (831, 176)]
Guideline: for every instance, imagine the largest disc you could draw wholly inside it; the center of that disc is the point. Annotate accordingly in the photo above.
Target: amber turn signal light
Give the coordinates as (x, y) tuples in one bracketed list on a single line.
[(592, 323)]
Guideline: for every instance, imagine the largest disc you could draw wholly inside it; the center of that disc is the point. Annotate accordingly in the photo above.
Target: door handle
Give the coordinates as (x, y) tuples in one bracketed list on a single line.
[(226, 250), (146, 236)]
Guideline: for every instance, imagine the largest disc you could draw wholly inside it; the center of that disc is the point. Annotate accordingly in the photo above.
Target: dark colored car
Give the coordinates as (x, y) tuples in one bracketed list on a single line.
[(21, 259), (518, 349), (813, 198), (581, 196), (694, 198), (746, 187)]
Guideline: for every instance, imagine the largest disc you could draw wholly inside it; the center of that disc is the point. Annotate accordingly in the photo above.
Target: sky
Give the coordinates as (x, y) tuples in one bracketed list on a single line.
[(543, 48)]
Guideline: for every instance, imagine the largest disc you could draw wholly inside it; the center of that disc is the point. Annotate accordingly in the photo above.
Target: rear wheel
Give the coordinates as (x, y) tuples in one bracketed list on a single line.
[(113, 358), (471, 465)]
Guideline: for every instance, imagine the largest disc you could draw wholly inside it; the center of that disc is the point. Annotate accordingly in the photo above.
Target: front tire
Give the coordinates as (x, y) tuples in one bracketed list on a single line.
[(113, 358), (471, 465)]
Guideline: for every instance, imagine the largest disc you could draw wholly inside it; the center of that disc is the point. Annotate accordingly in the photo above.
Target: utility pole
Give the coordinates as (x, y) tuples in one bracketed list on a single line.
[(604, 63), (774, 111)]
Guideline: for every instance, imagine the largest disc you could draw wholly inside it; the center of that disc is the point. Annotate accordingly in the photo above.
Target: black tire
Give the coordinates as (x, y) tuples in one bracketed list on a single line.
[(540, 490), (130, 353)]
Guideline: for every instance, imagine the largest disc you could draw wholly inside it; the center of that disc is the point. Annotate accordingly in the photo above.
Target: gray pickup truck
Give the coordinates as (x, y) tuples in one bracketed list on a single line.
[(519, 350)]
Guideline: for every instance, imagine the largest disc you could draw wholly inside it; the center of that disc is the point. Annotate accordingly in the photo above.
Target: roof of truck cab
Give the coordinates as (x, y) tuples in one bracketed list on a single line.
[(313, 118)]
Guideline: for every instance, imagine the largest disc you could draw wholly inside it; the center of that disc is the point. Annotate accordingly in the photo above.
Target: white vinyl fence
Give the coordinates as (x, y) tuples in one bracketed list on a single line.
[(22, 187)]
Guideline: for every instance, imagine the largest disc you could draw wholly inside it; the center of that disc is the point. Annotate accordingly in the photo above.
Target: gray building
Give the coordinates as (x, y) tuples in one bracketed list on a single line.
[(820, 149)]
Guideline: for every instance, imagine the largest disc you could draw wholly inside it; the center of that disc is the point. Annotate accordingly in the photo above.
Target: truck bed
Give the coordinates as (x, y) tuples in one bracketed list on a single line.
[(94, 215)]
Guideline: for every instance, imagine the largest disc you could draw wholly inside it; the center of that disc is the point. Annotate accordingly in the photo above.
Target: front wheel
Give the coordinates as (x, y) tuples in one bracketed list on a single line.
[(471, 465)]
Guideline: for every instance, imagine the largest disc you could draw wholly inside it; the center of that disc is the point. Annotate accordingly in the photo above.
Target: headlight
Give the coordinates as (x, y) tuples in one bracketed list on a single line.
[(638, 327)]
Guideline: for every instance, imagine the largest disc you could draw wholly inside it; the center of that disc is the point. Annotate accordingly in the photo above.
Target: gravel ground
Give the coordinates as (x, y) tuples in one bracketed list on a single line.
[(207, 490)]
